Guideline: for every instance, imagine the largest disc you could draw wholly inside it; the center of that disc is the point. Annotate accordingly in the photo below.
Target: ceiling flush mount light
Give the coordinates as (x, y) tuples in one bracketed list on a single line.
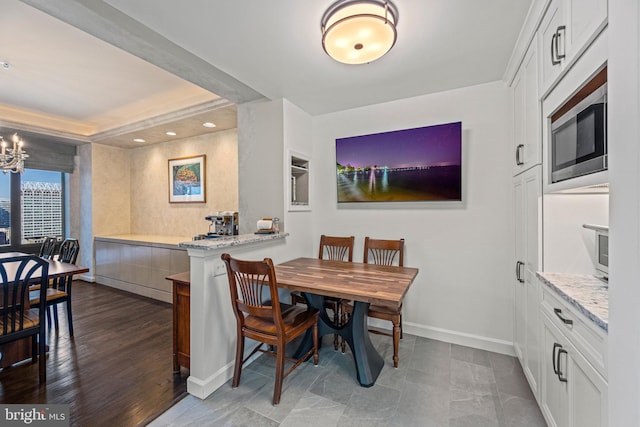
[(170, 133), (359, 31), (12, 158), (209, 125), (139, 140)]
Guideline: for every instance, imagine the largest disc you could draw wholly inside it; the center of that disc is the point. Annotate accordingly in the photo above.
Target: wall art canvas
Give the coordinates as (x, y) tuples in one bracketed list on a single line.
[(187, 180), (420, 164)]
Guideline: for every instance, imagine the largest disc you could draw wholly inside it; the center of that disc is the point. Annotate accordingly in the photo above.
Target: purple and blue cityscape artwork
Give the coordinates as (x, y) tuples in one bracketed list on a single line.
[(420, 164)]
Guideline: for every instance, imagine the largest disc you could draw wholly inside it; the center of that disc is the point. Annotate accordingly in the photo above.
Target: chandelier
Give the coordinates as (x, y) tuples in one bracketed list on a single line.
[(12, 159), (359, 31)]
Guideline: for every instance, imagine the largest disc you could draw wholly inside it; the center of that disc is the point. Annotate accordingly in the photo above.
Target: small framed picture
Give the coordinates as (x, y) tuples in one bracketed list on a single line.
[(187, 179)]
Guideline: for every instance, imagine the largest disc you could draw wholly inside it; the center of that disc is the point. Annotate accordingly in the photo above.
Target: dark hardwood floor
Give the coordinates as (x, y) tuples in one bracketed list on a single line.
[(116, 371)]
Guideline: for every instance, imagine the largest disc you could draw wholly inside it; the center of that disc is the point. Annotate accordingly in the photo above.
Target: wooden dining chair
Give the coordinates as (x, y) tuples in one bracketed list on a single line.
[(382, 252), (331, 248), (19, 319), (262, 317), (59, 290)]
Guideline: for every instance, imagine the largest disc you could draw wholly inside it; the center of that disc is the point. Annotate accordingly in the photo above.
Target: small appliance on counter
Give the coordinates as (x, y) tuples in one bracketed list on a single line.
[(268, 226), (601, 258), (223, 223)]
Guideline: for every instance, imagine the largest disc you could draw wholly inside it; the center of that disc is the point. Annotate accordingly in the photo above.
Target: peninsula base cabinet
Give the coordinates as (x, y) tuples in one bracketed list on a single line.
[(573, 393)]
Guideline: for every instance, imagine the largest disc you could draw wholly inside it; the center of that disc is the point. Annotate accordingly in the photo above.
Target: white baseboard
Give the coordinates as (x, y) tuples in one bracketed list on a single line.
[(202, 388), (453, 337), (460, 338), (86, 277)]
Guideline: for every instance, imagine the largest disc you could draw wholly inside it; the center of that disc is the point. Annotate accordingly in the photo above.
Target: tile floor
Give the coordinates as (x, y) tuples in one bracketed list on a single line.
[(436, 384)]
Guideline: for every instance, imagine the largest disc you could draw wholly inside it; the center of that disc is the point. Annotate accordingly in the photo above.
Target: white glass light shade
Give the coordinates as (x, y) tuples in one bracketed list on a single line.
[(359, 31)]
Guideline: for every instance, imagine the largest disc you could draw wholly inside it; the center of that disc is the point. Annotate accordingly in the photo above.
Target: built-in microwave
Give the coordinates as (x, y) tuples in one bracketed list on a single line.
[(579, 138), (601, 252)]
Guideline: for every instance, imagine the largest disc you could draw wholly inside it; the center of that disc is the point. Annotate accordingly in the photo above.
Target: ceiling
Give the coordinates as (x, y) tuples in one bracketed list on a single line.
[(110, 71)]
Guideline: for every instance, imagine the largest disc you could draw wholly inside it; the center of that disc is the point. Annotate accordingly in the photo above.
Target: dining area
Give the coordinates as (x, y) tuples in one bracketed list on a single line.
[(33, 285), (298, 302)]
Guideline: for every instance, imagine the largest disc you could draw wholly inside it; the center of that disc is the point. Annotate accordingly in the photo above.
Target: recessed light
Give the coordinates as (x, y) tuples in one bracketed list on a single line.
[(139, 140), (171, 133), (209, 125), (5, 65)]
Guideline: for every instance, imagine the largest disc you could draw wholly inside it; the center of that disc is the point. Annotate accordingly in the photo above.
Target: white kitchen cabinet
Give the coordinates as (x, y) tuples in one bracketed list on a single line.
[(526, 114), (566, 30), (573, 393), (527, 193)]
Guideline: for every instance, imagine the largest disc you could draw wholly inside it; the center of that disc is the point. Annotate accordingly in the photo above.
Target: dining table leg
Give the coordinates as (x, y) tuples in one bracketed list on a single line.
[(355, 332)]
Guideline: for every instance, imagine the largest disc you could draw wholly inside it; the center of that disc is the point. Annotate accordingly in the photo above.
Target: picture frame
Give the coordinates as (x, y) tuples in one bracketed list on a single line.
[(187, 179)]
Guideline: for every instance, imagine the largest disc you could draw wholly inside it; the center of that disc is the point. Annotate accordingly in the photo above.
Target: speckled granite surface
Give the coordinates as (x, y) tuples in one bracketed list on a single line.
[(223, 242), (584, 292)]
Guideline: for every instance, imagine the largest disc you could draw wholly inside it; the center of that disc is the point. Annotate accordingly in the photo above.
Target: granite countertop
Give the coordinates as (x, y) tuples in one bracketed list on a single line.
[(224, 242), (584, 292)]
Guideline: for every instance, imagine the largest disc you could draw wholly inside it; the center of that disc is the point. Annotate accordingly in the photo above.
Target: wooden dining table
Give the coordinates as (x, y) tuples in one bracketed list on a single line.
[(364, 284), (20, 350)]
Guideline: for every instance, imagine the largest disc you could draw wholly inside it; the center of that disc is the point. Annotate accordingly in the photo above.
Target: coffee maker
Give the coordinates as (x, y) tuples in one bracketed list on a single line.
[(224, 223)]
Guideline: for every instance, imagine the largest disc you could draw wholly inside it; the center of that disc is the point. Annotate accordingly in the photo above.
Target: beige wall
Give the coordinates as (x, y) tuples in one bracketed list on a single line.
[(151, 212), (111, 190)]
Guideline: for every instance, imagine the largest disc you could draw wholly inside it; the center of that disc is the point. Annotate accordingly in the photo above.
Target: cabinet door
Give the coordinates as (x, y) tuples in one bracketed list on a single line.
[(586, 19), (518, 122), (526, 114), (532, 199), (551, 64), (527, 189), (532, 363), (554, 392), (519, 338), (588, 391)]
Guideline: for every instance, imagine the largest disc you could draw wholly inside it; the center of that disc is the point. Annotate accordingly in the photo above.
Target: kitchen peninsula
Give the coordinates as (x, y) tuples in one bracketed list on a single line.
[(213, 325)]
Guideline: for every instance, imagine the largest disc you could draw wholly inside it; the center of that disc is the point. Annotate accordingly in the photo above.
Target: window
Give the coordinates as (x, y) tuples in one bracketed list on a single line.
[(31, 208)]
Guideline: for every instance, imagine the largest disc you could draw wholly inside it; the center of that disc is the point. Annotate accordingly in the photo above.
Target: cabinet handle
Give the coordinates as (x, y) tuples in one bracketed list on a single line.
[(558, 55), (518, 160), (561, 376), (519, 265), (554, 47), (558, 313), (553, 357)]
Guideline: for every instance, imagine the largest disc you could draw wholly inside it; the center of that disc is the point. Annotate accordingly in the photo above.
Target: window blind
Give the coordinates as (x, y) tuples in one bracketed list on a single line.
[(49, 155)]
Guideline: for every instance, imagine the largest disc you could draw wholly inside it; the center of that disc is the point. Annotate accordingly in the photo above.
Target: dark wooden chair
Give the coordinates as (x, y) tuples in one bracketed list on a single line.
[(262, 317), (19, 319), (332, 248), (59, 290), (383, 252), (49, 248)]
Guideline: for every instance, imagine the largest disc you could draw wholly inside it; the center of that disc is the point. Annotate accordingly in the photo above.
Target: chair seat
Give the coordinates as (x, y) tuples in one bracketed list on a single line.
[(385, 311), (52, 295), (292, 316), (31, 320)]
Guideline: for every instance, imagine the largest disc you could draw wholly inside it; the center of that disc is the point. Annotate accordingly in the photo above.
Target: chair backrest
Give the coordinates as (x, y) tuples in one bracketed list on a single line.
[(383, 252), (48, 248), (254, 290), (68, 251), (336, 248), (16, 275)]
